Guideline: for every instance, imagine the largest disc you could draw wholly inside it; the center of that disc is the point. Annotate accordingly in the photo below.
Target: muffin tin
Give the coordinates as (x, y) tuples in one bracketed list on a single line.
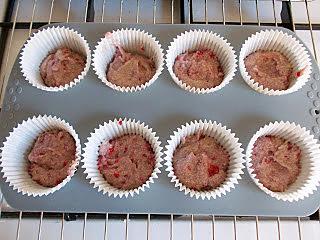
[(164, 106)]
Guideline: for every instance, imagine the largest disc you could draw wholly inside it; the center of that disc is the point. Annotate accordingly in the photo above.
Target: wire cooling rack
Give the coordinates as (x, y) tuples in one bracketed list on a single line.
[(21, 18)]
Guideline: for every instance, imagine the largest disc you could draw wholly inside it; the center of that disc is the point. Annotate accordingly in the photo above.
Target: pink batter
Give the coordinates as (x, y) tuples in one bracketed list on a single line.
[(276, 162), (51, 157), (270, 69), (126, 162), (200, 69), (61, 67), (48, 177), (130, 69), (200, 162)]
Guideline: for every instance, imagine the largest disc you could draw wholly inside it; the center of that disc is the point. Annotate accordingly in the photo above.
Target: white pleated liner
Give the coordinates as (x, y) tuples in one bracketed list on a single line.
[(46, 41), (309, 177), (131, 40), (223, 136), (109, 131), (198, 40), (290, 47), (14, 154)]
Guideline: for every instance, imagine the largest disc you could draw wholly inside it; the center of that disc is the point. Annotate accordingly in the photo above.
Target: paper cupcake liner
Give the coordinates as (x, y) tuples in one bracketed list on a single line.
[(17, 146), (226, 138), (290, 47), (44, 42), (131, 40), (202, 39), (309, 177), (111, 130)]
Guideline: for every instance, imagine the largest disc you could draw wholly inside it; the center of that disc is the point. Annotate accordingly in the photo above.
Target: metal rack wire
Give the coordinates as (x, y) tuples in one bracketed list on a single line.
[(185, 8)]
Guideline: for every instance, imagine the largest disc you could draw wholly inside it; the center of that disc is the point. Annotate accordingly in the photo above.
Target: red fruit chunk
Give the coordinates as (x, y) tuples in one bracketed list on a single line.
[(200, 53), (269, 160), (111, 149), (212, 170), (300, 73)]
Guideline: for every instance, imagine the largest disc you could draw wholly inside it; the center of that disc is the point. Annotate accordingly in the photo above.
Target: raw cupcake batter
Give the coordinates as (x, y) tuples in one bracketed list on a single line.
[(130, 69), (126, 162), (200, 162), (200, 69), (270, 69), (51, 157), (61, 67), (48, 177), (276, 162)]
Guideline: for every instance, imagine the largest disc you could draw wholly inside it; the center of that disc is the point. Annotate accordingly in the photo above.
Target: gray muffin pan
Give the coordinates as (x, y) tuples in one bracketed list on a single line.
[(163, 106)]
